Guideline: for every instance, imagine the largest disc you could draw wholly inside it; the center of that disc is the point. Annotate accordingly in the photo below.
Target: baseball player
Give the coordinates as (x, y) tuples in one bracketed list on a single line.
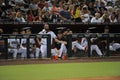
[(79, 44), (23, 48), (13, 44), (34, 50), (94, 45), (15, 47), (60, 49), (114, 46), (82, 44), (43, 47)]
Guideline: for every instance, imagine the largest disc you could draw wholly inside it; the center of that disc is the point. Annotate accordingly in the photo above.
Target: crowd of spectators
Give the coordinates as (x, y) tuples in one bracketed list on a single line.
[(85, 11)]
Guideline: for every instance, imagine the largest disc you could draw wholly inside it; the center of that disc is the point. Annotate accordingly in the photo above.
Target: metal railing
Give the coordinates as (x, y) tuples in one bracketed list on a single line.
[(5, 37), (107, 37)]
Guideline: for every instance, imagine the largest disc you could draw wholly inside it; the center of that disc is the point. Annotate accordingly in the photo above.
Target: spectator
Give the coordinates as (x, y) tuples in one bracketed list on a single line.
[(29, 16), (45, 16), (46, 8), (102, 6), (19, 2), (11, 17), (54, 8), (53, 17), (12, 3), (58, 7), (85, 15), (96, 19), (97, 3), (49, 3), (41, 4), (113, 18), (105, 18), (34, 8), (110, 10), (19, 17), (33, 5), (64, 14), (118, 18), (76, 13), (91, 8), (70, 6)]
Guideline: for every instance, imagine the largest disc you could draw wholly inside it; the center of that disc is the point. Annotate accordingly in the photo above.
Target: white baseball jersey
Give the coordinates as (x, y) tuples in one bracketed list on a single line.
[(44, 40), (24, 41), (13, 42), (84, 42)]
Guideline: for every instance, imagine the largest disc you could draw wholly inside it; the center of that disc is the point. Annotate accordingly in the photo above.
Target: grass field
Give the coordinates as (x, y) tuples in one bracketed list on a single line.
[(59, 71)]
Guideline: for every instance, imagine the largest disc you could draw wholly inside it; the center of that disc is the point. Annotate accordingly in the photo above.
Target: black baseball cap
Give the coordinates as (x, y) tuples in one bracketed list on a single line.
[(59, 32), (15, 30), (106, 27), (26, 28)]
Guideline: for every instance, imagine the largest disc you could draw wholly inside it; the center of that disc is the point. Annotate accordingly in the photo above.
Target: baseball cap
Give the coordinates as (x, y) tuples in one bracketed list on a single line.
[(15, 30), (59, 32), (26, 28), (106, 27)]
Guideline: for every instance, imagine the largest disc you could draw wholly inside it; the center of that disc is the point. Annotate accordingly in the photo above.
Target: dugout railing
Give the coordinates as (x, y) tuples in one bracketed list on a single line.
[(69, 38), (5, 37), (108, 37)]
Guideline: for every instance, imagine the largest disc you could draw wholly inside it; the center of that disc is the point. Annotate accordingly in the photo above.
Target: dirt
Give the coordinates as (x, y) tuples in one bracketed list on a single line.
[(49, 61), (97, 78)]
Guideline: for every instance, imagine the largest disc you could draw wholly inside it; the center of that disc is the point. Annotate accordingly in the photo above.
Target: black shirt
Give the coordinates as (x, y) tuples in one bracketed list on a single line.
[(58, 45)]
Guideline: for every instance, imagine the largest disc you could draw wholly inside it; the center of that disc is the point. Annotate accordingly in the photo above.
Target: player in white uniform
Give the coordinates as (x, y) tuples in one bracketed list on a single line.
[(94, 45), (83, 45), (23, 45), (43, 47), (14, 46), (34, 50), (79, 44), (114, 46)]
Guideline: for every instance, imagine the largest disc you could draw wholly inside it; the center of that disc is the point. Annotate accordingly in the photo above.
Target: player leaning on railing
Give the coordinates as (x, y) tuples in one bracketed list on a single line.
[(14, 46), (43, 47)]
